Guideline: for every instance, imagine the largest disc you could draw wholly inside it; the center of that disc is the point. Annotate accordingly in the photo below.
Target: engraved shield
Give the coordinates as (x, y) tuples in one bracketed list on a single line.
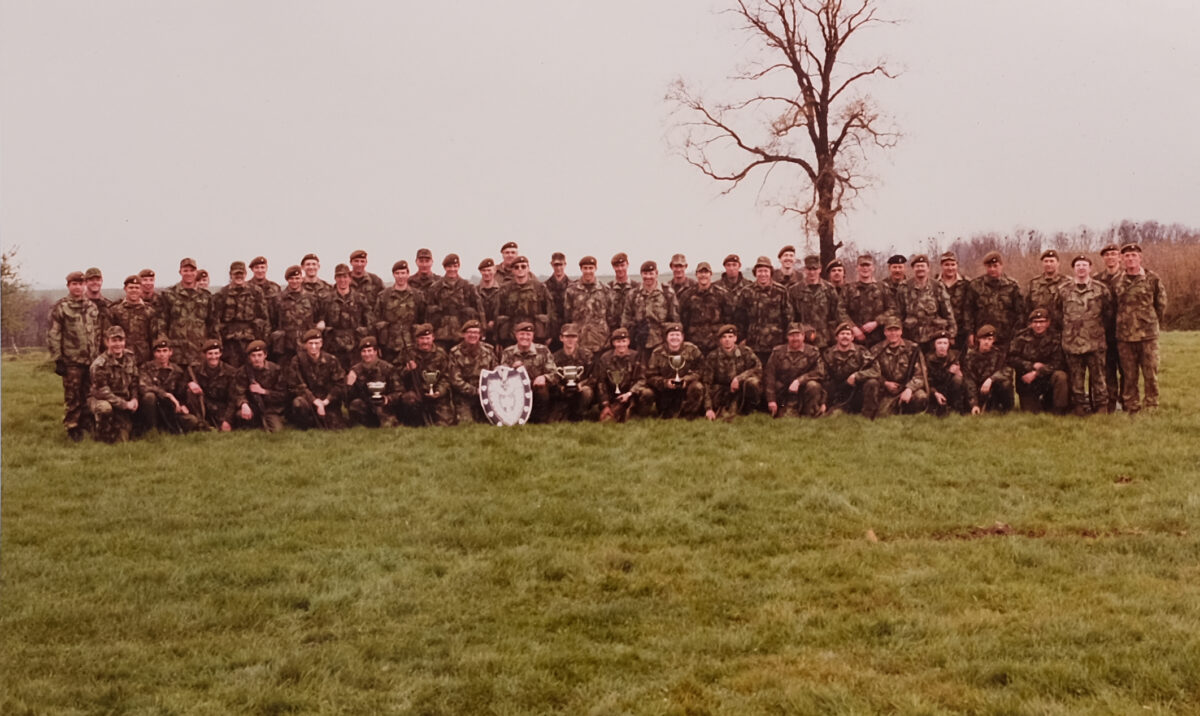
[(506, 395)]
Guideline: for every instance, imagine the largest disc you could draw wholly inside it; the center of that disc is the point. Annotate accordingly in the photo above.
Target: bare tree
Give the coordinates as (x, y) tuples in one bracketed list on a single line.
[(801, 122), (15, 300)]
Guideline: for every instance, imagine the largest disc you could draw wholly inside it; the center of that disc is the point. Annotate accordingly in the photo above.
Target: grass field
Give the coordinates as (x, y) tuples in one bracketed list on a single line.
[(1018, 564)]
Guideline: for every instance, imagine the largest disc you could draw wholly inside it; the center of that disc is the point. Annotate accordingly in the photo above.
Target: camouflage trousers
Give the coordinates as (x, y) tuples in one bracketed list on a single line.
[(154, 414), (372, 414), (114, 424), (419, 409), (955, 393), (304, 414), (686, 402), (806, 403), (999, 399), (571, 404), (1139, 356), (233, 351), (267, 421), (889, 404), (1114, 375), (843, 398), (467, 409), (727, 403), (639, 403), (1046, 392), (1087, 376), (77, 384)]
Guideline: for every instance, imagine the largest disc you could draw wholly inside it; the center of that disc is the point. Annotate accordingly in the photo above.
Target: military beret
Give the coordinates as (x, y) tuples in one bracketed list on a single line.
[(187, 262), (943, 334), (521, 260), (202, 273), (237, 266), (731, 259), (866, 260), (486, 263), (310, 257), (892, 321), (703, 266), (895, 259), (812, 261), (649, 266), (311, 334), (523, 326), (400, 265), (292, 270), (211, 344), (368, 342), (164, 342), (93, 272), (836, 263), (146, 273), (358, 254), (424, 254), (587, 261), (786, 249), (252, 347), (422, 329), (341, 270), (672, 326), (1110, 247), (948, 256), (1049, 254), (795, 328), (727, 328), (133, 278), (919, 259), (1081, 257), (620, 258), (468, 325), (509, 245), (114, 332), (843, 326), (558, 256), (257, 260), (75, 276), (986, 330), (763, 261), (618, 334), (678, 260), (992, 257), (1130, 248), (450, 260), (569, 329), (1039, 314)]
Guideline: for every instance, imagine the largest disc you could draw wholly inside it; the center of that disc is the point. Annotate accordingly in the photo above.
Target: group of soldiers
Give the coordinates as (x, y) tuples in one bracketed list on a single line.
[(794, 340)]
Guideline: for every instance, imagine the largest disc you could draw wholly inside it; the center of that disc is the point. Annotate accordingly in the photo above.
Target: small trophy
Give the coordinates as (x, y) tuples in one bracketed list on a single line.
[(376, 387), (431, 378), (676, 362), (571, 374), (617, 377)]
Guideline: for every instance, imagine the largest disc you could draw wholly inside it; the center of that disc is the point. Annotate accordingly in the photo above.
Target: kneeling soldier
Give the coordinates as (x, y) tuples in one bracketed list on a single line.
[(162, 389), (673, 373), (114, 378), (264, 388), (619, 381), (316, 382), (372, 389), (1036, 356), (987, 380), (850, 381), (901, 370), (793, 377), (573, 395), (946, 386), (732, 376), (468, 360), (214, 391), (538, 362), (425, 377)]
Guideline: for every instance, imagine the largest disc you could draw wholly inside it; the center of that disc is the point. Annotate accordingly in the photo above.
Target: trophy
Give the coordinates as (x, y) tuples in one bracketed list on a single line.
[(676, 362), (430, 377), (617, 376), (571, 374), (376, 388)]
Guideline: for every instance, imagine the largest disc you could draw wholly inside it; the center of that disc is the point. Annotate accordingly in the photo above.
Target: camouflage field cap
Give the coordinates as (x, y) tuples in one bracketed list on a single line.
[(91, 273), (795, 328), (292, 270), (892, 321), (785, 250), (312, 334), (703, 267), (678, 260), (948, 256), (587, 261), (569, 329), (866, 260), (187, 262), (558, 257), (237, 267), (468, 325), (422, 329), (253, 347), (341, 270), (523, 326), (424, 254), (812, 261), (132, 278), (114, 332), (763, 261), (985, 331)]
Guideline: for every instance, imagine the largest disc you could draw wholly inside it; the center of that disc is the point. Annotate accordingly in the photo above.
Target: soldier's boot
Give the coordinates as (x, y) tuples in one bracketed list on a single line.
[(917, 403), (693, 400), (1060, 391), (812, 396), (870, 398), (541, 404), (752, 395)]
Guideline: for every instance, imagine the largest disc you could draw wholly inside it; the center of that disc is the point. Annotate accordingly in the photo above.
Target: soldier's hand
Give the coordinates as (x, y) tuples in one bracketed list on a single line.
[(1030, 376), (794, 387), (955, 370), (320, 405), (773, 407), (351, 377), (195, 388), (852, 379), (906, 395), (225, 426), (540, 380), (624, 397), (971, 341), (867, 328), (1038, 366), (941, 399), (256, 388), (245, 412), (858, 334), (986, 387), (182, 409), (892, 386), (321, 325), (976, 410), (412, 365), (733, 384), (710, 414)]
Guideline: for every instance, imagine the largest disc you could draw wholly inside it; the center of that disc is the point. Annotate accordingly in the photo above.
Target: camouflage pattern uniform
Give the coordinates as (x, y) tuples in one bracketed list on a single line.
[(114, 382), (1050, 389), (1114, 376), (558, 294), (319, 289), (538, 361), (819, 306), (348, 320), (140, 323), (590, 308), (785, 366), (1086, 311), (762, 315), (466, 364), (240, 315), (866, 302), (222, 394), (419, 408), (1141, 303), (840, 396), (423, 281), (571, 403), (995, 301), (368, 286), (452, 302), (958, 297), (309, 380), (1043, 293), (926, 310), (295, 313), (396, 312), (903, 364), (359, 405), (680, 288), (620, 296), (686, 400), (268, 409), (702, 313), (893, 288), (268, 288), (980, 366), (489, 296), (645, 314), (156, 411), (632, 380), (787, 281), (187, 319), (74, 342), (529, 301), (942, 379), (733, 285), (720, 368)]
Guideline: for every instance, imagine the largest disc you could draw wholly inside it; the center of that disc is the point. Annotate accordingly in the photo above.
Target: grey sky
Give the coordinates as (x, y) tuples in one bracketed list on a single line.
[(134, 133)]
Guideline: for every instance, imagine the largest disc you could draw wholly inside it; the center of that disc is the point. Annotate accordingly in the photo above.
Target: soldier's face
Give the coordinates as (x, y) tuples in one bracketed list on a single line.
[(1083, 271), (258, 359), (866, 272), (1112, 259), (986, 343), (796, 340), (358, 266), (342, 281), (147, 285), (896, 272), (621, 346), (311, 267), (401, 277), (728, 341), (187, 275), (133, 292), (311, 347), (202, 279), (424, 264), (621, 269), (508, 255), (704, 279), (294, 281), (471, 336), (94, 285), (949, 268), (368, 354), (837, 275), (844, 339), (425, 342), (524, 338), (994, 269), (116, 345), (212, 357), (1050, 265), (587, 273), (762, 275), (450, 270), (733, 268), (260, 271), (1132, 261), (1040, 325), (679, 272), (941, 346), (921, 270), (487, 273), (787, 259), (570, 343), (237, 278), (894, 335), (812, 274), (520, 271), (162, 356), (675, 340), (559, 267), (649, 278)]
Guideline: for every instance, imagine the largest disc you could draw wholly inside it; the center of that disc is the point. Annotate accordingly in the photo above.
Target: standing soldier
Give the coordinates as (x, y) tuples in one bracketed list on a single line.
[(1086, 307), (794, 376), (524, 299), (149, 295), (557, 284), (704, 310), (925, 306), (620, 386), (215, 393), (943, 367), (679, 284), (763, 311), (202, 279), (538, 362), (468, 360), (347, 318), (162, 393), (621, 286), (264, 387), (373, 389), (316, 383), (296, 313), (896, 277), (733, 376), (985, 375), (851, 386), (397, 310), (674, 374), (816, 303), (94, 282), (314, 284), (1043, 290), (956, 285), (835, 273), (187, 316), (114, 391), (366, 283), (74, 342), (424, 376), (571, 398), (732, 280), (268, 288), (241, 315), (452, 301), (786, 275), (867, 303), (647, 310), (508, 254), (994, 299), (138, 319), (1036, 356), (901, 369), (1114, 378), (1141, 303), (589, 306), (489, 295), (423, 279)]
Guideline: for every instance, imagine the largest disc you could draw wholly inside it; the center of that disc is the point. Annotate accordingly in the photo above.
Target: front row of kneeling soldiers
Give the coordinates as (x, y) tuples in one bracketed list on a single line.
[(429, 386)]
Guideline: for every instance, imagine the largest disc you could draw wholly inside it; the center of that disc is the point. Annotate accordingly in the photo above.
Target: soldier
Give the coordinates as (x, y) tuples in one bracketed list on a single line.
[(835, 272), (763, 311), (621, 286), (993, 299), (679, 284), (268, 288), (1141, 303), (348, 318), (149, 295), (943, 367), (316, 383), (367, 284), (74, 342), (214, 393), (397, 310), (94, 282), (733, 376), (901, 369), (162, 394), (373, 389), (114, 389), (424, 277), (264, 389), (557, 286), (732, 280), (1114, 379), (538, 362), (589, 306), (787, 275), (816, 303), (896, 277), (468, 360), (704, 310), (620, 386), (673, 372), (1043, 290), (794, 376), (573, 395), (524, 299), (985, 375), (1086, 307), (137, 318), (187, 317), (851, 385), (1036, 356), (647, 309), (489, 296), (424, 376), (452, 301), (241, 315), (867, 303), (314, 284), (508, 254), (202, 279), (956, 285), (295, 313), (925, 306)]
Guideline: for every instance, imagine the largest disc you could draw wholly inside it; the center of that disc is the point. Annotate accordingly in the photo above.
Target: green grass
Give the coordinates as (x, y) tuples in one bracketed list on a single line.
[(656, 568)]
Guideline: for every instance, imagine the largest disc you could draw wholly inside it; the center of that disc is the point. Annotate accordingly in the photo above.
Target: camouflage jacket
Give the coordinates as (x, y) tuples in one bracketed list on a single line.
[(240, 312), (158, 381), (786, 365), (995, 301), (430, 361), (1043, 293), (140, 322), (115, 379), (451, 303), (978, 367), (762, 315), (590, 308), (538, 361), (937, 368), (616, 375), (529, 301), (295, 312), (271, 378), (348, 319), (866, 302), (489, 296), (958, 295), (659, 369), (188, 320), (1141, 303), (645, 314), (620, 296), (819, 306), (268, 288), (1028, 348), (369, 286), (378, 370), (903, 364), (1086, 310), (311, 379), (396, 312), (558, 292), (721, 367), (423, 281), (733, 285), (786, 281), (925, 310), (319, 289), (840, 365), (582, 358), (222, 392), (893, 288), (680, 289), (466, 365), (702, 313)]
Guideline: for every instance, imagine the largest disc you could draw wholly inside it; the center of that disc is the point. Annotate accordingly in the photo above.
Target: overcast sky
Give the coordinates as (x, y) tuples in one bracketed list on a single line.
[(135, 133)]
